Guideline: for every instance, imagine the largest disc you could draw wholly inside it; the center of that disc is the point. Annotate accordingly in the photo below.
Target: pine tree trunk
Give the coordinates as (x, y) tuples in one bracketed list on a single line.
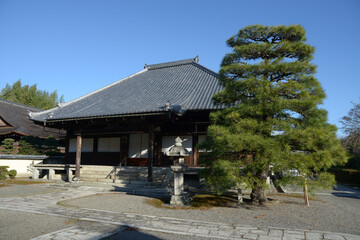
[(258, 192), (306, 197), (258, 195)]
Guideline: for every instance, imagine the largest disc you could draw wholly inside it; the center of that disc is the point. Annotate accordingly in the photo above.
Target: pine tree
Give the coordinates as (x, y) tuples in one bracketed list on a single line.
[(272, 119), (30, 95), (8, 146), (27, 148)]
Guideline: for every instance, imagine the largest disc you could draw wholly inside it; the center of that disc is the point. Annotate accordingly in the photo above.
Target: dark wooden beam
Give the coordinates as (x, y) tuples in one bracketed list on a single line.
[(195, 149), (150, 153)]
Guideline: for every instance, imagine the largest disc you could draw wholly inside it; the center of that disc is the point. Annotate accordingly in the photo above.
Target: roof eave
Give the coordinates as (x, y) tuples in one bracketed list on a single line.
[(102, 117)]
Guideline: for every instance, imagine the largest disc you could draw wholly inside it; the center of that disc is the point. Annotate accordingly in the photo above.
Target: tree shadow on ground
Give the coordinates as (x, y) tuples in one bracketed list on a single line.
[(346, 192), (347, 195), (140, 192), (131, 233)]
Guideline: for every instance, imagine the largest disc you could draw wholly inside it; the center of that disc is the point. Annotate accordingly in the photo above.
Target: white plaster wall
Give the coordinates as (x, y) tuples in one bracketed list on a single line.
[(110, 144), (169, 141), (72, 145), (86, 146), (201, 138), (20, 165), (138, 145)]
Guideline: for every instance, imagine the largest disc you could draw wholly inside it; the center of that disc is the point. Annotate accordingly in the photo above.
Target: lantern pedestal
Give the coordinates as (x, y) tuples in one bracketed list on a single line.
[(179, 197)]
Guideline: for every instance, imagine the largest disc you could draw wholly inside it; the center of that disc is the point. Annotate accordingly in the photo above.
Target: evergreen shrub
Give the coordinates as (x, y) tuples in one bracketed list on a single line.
[(3, 172), (12, 173)]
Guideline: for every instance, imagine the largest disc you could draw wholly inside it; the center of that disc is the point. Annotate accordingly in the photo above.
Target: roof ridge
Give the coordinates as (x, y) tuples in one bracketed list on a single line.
[(172, 63), (19, 104), (206, 69), (194, 61)]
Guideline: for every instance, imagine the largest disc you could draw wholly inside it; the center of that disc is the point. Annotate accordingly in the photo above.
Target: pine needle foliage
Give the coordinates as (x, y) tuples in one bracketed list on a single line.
[(30, 95), (8, 146), (272, 117)]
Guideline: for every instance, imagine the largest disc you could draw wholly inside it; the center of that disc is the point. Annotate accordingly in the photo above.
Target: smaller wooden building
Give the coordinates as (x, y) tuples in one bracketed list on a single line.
[(15, 122), (136, 119)]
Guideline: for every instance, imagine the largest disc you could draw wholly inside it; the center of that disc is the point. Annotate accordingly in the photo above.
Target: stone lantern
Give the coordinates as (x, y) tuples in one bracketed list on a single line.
[(179, 197)]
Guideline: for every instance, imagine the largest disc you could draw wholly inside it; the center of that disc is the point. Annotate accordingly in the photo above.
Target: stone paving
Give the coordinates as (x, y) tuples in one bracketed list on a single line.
[(71, 233), (47, 204)]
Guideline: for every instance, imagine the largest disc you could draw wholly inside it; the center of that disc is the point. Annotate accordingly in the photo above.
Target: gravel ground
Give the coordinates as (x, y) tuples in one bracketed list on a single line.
[(330, 213), (25, 190), (22, 225)]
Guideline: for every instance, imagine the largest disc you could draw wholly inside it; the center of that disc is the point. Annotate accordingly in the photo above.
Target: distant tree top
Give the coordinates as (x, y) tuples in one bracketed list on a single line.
[(30, 95), (351, 126)]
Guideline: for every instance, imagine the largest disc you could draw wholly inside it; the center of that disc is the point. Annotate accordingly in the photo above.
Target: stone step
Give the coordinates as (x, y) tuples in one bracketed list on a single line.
[(100, 173), (108, 170), (131, 174), (112, 167), (119, 173), (95, 179), (127, 175), (118, 178), (143, 169), (123, 175), (95, 171), (118, 181), (124, 168), (102, 180), (96, 166), (100, 168)]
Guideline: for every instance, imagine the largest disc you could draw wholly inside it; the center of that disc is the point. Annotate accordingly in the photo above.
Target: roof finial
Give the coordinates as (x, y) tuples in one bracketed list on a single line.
[(146, 66), (167, 105), (196, 59)]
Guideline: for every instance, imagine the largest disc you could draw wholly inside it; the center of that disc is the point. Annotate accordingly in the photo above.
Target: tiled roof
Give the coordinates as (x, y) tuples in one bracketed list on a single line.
[(14, 118), (183, 84)]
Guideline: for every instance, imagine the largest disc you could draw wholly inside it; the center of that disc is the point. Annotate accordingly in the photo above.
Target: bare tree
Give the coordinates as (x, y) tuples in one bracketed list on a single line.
[(351, 126)]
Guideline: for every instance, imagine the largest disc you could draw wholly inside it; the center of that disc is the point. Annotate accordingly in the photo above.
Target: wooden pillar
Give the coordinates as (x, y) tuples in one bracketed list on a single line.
[(78, 156), (150, 153), (195, 149)]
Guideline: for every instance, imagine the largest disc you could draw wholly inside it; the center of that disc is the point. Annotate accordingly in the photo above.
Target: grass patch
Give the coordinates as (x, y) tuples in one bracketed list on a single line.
[(158, 203), (209, 201), (22, 182), (199, 201), (71, 221)]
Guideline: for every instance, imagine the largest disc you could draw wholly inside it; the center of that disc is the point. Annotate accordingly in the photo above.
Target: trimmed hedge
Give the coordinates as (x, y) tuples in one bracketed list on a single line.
[(12, 173), (4, 173), (343, 175)]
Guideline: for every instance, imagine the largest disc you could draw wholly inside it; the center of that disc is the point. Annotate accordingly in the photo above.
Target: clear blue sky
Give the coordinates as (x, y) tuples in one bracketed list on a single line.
[(78, 46)]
